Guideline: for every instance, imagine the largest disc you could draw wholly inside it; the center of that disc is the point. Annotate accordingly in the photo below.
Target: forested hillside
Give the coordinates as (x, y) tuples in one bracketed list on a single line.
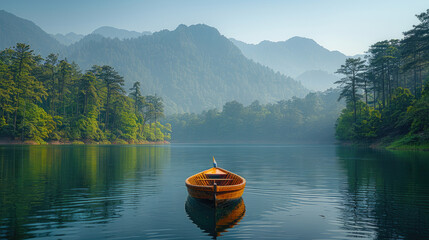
[(17, 30), (53, 100), (193, 68), (310, 119), (388, 94)]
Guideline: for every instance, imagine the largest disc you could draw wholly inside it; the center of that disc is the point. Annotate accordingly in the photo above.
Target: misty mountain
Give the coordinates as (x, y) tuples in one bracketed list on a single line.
[(14, 30), (111, 32), (67, 39), (193, 68), (294, 56), (318, 80), (108, 32)]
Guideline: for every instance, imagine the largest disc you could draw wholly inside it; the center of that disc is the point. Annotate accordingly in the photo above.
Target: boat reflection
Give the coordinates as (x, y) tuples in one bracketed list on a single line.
[(215, 221)]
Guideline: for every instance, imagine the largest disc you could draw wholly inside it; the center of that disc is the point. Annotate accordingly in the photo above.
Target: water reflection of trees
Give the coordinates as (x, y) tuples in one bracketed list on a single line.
[(386, 195), (45, 187)]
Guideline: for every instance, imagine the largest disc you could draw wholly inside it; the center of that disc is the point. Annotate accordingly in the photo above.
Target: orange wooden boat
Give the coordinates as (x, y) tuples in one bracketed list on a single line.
[(216, 184)]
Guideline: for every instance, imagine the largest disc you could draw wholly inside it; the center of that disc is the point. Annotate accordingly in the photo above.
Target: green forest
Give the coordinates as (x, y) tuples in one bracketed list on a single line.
[(387, 93), (52, 100), (308, 119), (194, 68)]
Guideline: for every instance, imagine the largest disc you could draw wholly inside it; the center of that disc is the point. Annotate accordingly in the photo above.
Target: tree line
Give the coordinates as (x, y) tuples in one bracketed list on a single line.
[(387, 93), (53, 100), (308, 119)]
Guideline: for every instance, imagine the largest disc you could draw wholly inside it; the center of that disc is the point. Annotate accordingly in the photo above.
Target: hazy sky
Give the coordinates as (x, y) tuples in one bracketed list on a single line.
[(344, 25)]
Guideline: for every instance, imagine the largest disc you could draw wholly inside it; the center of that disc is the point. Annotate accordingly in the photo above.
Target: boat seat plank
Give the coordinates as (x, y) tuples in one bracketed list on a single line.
[(215, 174), (218, 179)]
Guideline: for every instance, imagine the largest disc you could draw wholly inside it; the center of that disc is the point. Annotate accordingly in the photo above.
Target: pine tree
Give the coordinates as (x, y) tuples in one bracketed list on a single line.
[(113, 83), (353, 70), (137, 97)]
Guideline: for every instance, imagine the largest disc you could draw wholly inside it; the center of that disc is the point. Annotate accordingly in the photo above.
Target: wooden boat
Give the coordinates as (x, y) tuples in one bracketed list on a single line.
[(215, 220), (216, 184)]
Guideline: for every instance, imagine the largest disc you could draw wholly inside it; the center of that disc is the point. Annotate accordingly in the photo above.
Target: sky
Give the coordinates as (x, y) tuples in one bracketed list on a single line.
[(344, 25)]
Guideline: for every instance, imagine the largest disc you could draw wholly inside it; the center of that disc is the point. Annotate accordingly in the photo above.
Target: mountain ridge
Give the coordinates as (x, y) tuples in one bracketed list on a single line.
[(29, 33), (112, 32), (205, 68), (67, 39), (194, 68), (293, 56)]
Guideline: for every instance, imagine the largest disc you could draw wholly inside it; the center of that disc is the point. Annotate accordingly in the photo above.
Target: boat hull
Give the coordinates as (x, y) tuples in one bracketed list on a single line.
[(209, 195), (231, 186)]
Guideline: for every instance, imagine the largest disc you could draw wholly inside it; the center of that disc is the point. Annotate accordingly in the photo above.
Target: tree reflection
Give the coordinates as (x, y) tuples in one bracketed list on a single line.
[(386, 195), (45, 187)]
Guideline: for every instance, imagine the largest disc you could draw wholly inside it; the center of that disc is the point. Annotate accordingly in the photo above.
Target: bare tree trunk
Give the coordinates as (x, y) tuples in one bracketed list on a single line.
[(107, 110), (421, 80), (23, 120), (16, 112)]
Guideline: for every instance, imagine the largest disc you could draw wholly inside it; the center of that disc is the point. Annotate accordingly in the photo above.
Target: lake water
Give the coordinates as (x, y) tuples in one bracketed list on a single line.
[(138, 192)]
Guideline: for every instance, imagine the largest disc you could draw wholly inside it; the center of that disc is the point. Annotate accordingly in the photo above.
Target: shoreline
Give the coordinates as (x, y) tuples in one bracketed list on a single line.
[(377, 145), (380, 145), (121, 142)]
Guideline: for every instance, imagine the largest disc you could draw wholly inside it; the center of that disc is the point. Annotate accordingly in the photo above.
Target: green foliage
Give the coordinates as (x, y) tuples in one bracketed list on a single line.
[(393, 83), (409, 142), (365, 127), (419, 113), (53, 100), (37, 125), (89, 129), (395, 117), (344, 126), (127, 125), (193, 68), (155, 108), (7, 88), (309, 119)]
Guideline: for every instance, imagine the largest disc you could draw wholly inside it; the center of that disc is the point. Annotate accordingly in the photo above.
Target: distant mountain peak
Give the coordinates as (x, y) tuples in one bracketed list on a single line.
[(291, 41), (198, 28), (14, 29), (112, 32), (298, 38), (302, 42), (293, 56), (68, 38), (181, 27)]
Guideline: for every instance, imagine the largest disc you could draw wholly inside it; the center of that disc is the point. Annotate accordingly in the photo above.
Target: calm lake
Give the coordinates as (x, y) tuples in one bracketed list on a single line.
[(138, 192)]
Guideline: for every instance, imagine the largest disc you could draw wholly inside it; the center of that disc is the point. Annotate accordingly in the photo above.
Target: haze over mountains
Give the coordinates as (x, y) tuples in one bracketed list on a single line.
[(296, 56), (14, 30), (105, 31), (68, 39), (111, 32), (193, 68)]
